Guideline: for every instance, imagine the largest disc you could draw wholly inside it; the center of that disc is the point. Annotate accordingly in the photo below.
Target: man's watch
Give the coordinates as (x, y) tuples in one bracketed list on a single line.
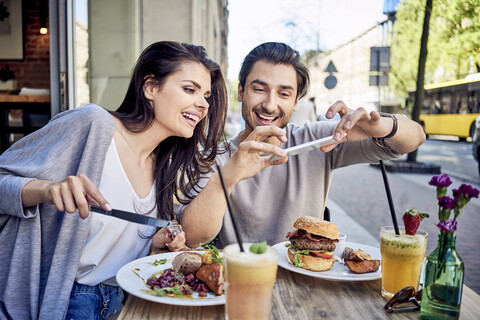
[(395, 124), (381, 141)]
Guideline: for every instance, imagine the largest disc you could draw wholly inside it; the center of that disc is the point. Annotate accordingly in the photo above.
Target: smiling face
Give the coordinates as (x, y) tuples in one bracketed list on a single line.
[(269, 96), (180, 103)]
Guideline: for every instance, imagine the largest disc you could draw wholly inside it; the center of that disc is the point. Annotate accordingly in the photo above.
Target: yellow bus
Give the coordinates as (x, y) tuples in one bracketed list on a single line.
[(450, 108)]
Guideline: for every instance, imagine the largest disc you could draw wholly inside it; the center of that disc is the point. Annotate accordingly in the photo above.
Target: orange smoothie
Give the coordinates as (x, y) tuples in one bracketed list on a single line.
[(402, 259), (249, 280)]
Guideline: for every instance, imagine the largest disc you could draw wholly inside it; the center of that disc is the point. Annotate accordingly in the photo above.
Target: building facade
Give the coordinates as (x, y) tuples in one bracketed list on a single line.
[(345, 73), (76, 52), (118, 30)]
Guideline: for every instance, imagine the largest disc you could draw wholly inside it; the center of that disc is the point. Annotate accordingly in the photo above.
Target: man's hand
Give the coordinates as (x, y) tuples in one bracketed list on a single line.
[(360, 125), (357, 124), (253, 154)]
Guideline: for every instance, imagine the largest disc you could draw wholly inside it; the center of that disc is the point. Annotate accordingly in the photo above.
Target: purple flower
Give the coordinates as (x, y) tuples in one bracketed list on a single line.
[(460, 199), (447, 202), (462, 196), (467, 190), (447, 226), (440, 181)]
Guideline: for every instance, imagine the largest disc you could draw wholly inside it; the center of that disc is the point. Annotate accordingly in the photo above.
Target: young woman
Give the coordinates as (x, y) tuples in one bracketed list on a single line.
[(57, 265)]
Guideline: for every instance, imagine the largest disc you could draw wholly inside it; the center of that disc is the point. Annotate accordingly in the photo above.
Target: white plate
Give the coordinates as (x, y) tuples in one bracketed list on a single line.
[(338, 272), (133, 276)]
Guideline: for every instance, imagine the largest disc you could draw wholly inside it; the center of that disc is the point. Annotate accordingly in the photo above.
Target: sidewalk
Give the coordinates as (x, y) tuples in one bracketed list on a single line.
[(354, 231), (359, 207)]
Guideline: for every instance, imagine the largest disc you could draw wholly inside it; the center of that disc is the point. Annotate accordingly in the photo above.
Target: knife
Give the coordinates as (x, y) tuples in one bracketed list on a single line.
[(132, 217)]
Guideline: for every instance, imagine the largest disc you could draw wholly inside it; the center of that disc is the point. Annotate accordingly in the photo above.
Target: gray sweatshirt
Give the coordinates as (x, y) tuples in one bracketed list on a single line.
[(40, 246), (268, 203)]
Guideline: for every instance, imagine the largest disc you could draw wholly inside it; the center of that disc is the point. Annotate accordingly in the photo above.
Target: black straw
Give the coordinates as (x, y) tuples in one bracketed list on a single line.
[(389, 196), (230, 208)]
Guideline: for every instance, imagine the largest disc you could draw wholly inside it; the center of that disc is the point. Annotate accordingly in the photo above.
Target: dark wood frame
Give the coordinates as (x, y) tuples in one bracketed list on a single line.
[(17, 39)]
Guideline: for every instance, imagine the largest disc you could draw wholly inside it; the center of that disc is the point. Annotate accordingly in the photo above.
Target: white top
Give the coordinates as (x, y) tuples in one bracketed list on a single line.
[(113, 242)]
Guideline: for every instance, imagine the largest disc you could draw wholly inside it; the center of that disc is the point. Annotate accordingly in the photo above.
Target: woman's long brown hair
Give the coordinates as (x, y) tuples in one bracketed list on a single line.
[(179, 161)]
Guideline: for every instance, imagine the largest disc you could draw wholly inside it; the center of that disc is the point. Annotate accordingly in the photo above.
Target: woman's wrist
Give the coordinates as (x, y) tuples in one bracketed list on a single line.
[(35, 192)]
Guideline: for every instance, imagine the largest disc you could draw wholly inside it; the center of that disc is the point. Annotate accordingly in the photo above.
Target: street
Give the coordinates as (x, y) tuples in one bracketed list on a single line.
[(455, 158), (360, 192)]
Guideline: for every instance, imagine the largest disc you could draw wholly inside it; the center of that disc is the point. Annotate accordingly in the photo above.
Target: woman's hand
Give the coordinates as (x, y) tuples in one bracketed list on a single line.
[(70, 194), (175, 241)]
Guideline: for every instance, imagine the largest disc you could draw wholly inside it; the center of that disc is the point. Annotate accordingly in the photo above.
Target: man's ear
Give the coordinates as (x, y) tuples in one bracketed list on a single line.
[(240, 93)]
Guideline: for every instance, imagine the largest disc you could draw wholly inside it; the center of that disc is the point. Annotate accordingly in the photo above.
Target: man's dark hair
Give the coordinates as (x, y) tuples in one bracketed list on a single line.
[(277, 53)]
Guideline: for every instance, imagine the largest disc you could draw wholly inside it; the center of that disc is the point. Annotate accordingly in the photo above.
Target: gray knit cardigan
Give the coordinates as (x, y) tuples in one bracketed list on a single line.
[(40, 247)]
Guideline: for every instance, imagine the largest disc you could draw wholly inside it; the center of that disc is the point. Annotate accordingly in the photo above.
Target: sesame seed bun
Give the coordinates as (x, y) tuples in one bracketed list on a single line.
[(317, 226)]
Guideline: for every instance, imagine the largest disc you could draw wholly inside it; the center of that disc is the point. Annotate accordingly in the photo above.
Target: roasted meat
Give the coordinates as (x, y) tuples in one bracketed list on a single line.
[(212, 276)]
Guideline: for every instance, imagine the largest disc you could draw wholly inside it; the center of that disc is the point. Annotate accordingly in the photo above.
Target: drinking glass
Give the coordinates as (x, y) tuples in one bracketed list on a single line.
[(249, 280), (402, 259)]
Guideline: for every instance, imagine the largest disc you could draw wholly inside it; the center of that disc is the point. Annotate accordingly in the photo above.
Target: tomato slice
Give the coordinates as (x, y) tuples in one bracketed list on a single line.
[(321, 255)]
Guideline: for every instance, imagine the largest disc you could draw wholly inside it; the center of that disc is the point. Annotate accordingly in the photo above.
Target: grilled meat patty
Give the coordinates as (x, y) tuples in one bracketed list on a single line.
[(303, 242)]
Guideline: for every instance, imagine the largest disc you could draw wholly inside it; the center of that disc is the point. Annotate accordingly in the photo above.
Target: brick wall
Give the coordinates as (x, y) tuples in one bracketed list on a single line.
[(34, 71)]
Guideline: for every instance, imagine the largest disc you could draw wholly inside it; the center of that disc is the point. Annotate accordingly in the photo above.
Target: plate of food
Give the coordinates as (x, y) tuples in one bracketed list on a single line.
[(189, 278), (309, 251)]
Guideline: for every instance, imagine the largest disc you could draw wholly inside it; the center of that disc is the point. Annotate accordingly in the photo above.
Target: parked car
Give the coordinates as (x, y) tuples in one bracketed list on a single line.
[(476, 143)]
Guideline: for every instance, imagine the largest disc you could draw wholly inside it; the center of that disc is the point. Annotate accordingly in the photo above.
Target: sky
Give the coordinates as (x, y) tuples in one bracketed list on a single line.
[(303, 24)]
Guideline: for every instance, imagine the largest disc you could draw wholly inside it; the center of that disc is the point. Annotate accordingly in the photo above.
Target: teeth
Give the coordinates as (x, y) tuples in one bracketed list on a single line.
[(265, 117), (191, 116)]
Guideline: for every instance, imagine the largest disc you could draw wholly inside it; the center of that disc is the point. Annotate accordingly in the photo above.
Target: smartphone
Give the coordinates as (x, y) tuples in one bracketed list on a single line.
[(315, 144)]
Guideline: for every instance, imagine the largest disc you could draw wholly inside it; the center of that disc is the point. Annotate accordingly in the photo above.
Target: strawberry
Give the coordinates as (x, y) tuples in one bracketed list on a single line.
[(411, 220)]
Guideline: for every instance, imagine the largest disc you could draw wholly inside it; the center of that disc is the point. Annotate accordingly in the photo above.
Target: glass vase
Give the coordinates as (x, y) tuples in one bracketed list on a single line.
[(443, 280)]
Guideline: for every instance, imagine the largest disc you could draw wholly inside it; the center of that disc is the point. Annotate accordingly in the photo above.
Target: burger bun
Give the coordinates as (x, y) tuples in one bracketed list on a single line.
[(310, 262), (317, 226)]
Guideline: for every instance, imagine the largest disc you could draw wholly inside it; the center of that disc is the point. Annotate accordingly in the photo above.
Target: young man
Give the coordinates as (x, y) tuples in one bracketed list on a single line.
[(269, 196)]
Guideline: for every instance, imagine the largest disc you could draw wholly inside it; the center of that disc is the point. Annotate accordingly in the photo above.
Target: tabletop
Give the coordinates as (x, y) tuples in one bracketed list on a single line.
[(298, 296)]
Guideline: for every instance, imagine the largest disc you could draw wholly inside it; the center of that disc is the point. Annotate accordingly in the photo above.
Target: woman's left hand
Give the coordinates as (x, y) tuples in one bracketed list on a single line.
[(165, 237)]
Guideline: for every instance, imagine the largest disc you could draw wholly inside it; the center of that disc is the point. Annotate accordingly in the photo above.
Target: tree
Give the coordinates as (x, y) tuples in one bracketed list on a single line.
[(453, 46), (420, 91)]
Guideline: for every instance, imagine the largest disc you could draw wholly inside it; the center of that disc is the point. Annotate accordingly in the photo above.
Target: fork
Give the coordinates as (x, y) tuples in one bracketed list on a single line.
[(175, 226)]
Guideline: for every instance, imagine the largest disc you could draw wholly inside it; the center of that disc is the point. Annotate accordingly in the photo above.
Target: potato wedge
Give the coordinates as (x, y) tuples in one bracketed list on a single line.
[(363, 266), (359, 261)]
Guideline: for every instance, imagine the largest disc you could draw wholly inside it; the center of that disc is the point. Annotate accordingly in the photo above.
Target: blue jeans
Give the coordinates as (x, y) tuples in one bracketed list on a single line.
[(94, 303)]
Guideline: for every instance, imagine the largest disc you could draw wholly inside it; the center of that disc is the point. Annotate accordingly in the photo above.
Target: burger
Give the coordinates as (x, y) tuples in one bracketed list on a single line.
[(312, 244)]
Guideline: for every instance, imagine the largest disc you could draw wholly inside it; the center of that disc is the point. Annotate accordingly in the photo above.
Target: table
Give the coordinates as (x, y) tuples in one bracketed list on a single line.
[(37, 104), (298, 296)]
